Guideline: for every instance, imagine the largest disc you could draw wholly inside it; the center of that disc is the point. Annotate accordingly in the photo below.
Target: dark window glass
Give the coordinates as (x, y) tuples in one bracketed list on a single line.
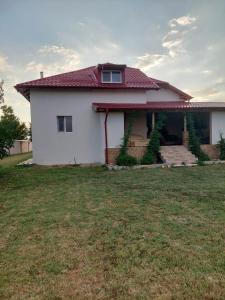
[(106, 76), (60, 123), (116, 76), (68, 124)]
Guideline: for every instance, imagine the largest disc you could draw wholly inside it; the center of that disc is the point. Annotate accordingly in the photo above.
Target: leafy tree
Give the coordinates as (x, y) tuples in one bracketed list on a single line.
[(10, 129), (1, 92), (30, 132)]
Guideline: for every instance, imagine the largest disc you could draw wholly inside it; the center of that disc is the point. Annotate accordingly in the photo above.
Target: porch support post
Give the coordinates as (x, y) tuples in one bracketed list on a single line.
[(106, 138), (153, 120)]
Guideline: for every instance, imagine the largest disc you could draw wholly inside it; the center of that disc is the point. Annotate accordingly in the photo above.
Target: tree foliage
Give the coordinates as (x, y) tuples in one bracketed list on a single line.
[(1, 92), (194, 143), (10, 129), (152, 153)]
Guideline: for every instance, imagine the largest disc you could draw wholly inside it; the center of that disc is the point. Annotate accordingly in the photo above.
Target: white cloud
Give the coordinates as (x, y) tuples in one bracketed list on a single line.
[(206, 72), (148, 61), (182, 21), (174, 41), (4, 64), (54, 59), (174, 44)]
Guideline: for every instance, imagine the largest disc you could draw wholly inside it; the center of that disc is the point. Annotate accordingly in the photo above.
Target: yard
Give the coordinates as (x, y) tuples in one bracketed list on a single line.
[(88, 233)]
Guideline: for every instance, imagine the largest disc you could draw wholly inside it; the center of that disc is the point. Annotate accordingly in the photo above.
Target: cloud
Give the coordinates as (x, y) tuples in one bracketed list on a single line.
[(174, 41), (147, 61), (212, 92), (54, 59), (182, 21), (4, 64), (207, 72)]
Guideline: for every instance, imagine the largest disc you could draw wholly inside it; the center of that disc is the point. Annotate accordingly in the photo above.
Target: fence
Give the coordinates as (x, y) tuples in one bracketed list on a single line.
[(21, 146)]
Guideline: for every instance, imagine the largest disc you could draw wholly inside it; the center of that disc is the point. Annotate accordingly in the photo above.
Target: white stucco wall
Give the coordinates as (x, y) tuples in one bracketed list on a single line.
[(162, 95), (86, 144), (217, 125), (115, 126)]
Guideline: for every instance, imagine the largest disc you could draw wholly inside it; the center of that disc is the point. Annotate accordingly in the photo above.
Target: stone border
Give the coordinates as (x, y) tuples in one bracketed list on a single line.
[(162, 166)]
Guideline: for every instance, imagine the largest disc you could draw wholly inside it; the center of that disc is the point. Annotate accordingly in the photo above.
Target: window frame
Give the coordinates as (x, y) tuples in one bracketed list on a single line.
[(65, 127), (111, 72)]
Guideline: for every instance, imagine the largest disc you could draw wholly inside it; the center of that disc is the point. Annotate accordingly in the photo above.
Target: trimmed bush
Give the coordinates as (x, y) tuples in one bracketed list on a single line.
[(222, 147), (124, 159), (152, 153), (194, 143)]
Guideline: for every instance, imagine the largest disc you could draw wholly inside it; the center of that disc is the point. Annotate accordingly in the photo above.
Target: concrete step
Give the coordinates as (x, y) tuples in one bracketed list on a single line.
[(177, 155)]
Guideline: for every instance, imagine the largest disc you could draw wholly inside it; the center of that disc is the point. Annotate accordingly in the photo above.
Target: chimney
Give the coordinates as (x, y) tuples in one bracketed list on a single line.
[(41, 74)]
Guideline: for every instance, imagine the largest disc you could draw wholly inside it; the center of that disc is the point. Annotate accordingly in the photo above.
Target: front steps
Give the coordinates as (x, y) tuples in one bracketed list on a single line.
[(177, 155)]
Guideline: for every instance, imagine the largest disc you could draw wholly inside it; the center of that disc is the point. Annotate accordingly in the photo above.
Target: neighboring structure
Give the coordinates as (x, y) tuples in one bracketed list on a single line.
[(80, 116), (21, 146)]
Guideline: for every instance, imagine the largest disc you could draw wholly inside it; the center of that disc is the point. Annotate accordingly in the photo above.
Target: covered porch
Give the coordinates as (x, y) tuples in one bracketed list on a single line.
[(174, 131)]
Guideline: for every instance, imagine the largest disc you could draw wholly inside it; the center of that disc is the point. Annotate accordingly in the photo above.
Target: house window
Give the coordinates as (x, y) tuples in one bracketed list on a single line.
[(111, 77), (64, 123)]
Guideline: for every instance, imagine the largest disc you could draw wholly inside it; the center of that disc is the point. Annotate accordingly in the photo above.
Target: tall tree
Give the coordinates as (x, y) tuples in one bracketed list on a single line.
[(10, 129), (1, 92)]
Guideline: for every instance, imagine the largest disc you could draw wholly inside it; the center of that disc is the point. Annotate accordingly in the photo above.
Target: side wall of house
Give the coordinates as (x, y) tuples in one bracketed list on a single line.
[(217, 125), (162, 95), (86, 143)]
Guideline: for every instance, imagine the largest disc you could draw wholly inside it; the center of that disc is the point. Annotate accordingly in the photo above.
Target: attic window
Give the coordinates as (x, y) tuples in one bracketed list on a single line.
[(111, 77)]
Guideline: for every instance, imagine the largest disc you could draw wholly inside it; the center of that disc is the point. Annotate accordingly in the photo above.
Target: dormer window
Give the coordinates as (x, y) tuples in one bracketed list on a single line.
[(111, 77)]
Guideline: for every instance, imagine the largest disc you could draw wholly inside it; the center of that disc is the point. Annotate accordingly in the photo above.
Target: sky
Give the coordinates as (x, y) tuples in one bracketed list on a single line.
[(179, 41)]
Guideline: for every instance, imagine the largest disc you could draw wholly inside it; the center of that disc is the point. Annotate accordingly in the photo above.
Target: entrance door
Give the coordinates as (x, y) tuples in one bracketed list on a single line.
[(172, 131)]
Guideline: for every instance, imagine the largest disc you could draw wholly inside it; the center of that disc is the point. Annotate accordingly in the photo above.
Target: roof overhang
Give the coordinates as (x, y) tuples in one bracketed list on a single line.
[(160, 106)]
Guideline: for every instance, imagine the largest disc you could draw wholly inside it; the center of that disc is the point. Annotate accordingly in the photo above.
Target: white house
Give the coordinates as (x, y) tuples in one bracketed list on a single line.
[(80, 117)]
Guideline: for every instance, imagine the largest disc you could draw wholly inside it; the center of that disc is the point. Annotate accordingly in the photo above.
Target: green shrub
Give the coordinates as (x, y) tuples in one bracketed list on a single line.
[(152, 153), (194, 143), (148, 159), (222, 147), (124, 159)]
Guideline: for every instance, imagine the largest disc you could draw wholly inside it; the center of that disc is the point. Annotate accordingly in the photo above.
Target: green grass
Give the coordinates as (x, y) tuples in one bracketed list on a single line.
[(88, 233), (13, 160)]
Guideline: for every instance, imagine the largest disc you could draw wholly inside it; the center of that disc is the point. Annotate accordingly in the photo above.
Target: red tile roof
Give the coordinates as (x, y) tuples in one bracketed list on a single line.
[(165, 84), (89, 78), (160, 106)]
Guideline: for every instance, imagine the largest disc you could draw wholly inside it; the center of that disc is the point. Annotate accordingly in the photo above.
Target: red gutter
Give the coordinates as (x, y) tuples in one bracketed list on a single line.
[(106, 138)]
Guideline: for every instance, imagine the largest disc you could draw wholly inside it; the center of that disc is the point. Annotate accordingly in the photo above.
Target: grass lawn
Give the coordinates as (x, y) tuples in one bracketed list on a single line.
[(88, 233), (14, 159)]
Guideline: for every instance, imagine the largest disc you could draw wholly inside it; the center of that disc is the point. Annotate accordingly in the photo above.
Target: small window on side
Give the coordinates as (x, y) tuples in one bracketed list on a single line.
[(60, 121), (68, 124), (64, 123)]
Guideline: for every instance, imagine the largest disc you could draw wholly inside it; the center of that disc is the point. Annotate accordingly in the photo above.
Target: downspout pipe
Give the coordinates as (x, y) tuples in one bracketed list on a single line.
[(106, 138)]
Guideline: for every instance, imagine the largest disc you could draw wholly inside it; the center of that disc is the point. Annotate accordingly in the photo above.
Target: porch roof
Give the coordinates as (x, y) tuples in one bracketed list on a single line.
[(160, 106)]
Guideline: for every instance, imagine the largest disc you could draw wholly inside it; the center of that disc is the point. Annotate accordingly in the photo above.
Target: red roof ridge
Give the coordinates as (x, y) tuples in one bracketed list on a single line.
[(89, 77), (159, 106), (182, 94)]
